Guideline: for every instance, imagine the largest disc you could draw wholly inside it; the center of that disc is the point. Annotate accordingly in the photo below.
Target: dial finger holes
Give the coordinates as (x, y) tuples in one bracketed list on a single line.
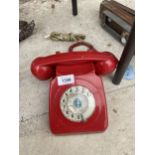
[(72, 115), (77, 103), (88, 94), (78, 116)]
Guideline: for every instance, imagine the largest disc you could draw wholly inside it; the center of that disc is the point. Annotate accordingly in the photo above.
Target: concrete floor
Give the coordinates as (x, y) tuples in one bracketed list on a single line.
[(35, 136)]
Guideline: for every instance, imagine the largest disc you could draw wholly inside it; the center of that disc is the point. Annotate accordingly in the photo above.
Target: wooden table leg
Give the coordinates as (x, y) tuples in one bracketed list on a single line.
[(74, 7), (126, 57)]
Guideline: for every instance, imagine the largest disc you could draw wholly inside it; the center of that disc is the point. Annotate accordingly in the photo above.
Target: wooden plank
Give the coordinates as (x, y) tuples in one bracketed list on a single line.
[(118, 9)]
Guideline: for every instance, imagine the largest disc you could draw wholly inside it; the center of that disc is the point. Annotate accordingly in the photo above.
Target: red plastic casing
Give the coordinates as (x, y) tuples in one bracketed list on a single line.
[(98, 121)]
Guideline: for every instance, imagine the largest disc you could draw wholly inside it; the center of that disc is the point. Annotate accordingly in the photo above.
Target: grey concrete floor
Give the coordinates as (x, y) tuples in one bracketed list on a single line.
[(35, 136)]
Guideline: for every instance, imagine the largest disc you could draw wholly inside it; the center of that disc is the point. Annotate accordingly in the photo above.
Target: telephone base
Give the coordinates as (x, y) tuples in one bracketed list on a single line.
[(95, 123)]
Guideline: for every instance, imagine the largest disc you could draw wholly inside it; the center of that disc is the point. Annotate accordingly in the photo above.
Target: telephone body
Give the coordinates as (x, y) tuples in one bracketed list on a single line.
[(77, 101)]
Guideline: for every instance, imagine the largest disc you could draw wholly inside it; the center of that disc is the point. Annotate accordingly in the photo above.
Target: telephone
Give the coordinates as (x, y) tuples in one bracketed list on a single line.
[(77, 101)]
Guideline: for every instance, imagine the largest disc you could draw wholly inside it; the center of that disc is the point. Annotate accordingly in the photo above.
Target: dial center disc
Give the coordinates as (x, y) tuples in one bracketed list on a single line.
[(77, 103)]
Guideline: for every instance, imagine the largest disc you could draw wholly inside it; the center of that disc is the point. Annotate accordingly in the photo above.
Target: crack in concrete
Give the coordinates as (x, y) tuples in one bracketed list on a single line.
[(33, 117)]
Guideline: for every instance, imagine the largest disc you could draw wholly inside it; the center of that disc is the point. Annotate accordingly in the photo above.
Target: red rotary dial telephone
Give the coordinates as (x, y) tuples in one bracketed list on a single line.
[(76, 101)]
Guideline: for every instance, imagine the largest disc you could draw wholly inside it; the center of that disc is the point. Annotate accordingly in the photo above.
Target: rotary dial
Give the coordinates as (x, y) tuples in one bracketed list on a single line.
[(77, 104)]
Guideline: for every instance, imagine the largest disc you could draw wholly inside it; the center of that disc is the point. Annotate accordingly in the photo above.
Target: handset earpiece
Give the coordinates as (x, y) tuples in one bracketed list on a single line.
[(106, 66), (42, 71)]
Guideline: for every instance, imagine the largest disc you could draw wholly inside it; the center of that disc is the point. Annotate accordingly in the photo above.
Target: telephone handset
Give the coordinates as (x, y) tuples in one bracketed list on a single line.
[(77, 100)]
